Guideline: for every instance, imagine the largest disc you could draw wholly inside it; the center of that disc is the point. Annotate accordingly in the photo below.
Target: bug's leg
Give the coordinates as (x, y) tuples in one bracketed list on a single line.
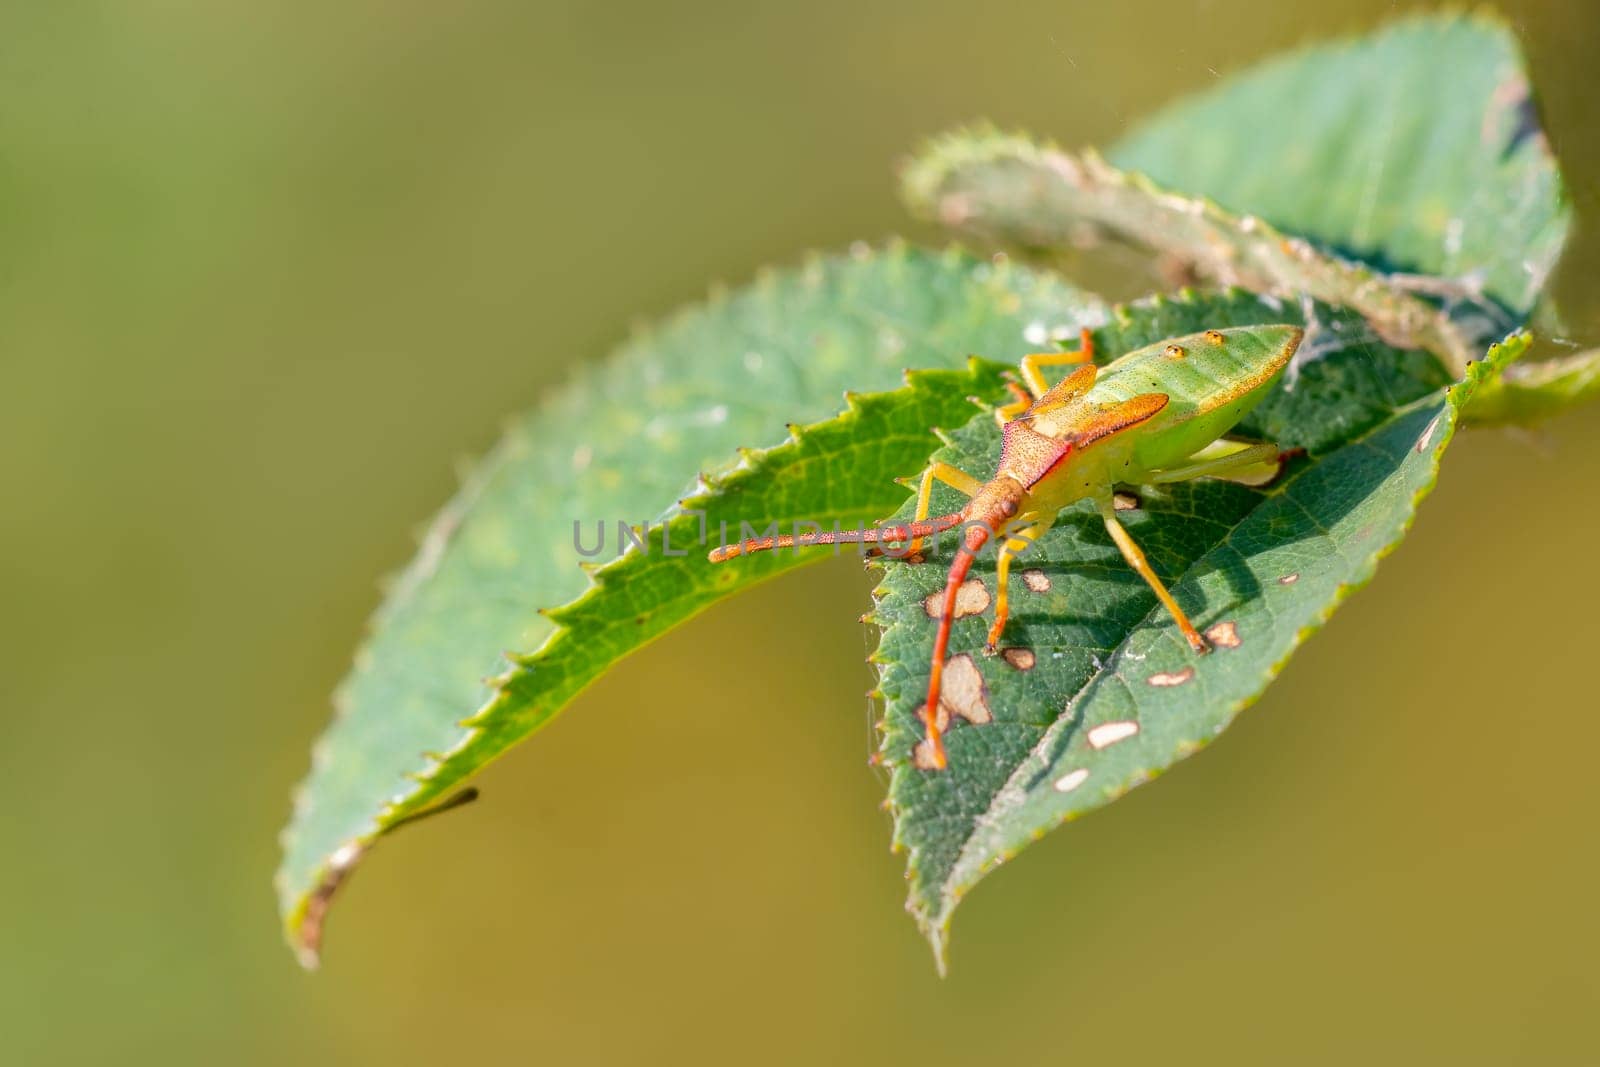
[(1265, 457), (1014, 543), (1135, 557), (955, 478), (929, 754), (1058, 395), (1006, 412), (1031, 363)]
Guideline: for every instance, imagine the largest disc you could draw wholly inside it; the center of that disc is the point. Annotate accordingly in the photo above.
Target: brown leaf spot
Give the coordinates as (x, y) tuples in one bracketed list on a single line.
[(1166, 679), (972, 597), (1021, 658), (963, 692), (1224, 635), (1036, 580), (1215, 337), (1174, 351), (308, 939), (1290, 578)]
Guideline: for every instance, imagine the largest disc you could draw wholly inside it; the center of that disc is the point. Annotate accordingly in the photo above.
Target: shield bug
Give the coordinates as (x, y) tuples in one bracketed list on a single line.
[(1154, 416)]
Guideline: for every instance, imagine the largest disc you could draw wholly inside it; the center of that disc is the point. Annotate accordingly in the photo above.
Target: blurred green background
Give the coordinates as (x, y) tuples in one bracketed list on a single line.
[(272, 270)]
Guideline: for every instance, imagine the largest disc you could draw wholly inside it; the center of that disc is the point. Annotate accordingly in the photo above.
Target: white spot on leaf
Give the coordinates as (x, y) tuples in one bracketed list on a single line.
[(1427, 435), (963, 692), (1224, 635), (922, 757), (1166, 680), (1071, 780), (1109, 733), (972, 598)]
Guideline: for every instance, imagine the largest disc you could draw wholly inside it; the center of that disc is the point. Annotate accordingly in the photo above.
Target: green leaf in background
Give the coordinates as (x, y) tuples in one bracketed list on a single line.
[(1403, 174), (623, 442), (1095, 692), (1417, 149), (1011, 189)]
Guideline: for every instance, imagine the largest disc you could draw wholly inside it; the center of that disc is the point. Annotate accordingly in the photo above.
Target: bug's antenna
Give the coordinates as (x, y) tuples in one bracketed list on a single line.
[(879, 535)]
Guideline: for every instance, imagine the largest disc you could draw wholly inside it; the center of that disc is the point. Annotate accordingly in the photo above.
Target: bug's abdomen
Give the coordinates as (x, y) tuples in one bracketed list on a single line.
[(1212, 380)]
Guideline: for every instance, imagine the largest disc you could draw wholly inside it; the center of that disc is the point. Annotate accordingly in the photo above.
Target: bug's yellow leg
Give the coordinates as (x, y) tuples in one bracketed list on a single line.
[(1248, 462), (1014, 543), (1032, 362), (1006, 412), (1135, 557), (955, 478)]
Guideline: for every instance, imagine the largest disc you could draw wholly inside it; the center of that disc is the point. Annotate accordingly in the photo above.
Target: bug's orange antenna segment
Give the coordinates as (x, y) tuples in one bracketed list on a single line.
[(875, 536), (1035, 360), (1135, 557), (1014, 543), (930, 755)]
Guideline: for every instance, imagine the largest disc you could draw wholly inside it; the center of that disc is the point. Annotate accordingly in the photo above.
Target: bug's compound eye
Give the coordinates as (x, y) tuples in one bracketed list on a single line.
[(1215, 337), (1174, 351)]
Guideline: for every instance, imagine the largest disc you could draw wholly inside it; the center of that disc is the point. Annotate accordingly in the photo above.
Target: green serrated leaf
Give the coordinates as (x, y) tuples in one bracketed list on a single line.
[(1095, 692), (1528, 393), (431, 699), (1014, 190), (1417, 149), (1406, 177)]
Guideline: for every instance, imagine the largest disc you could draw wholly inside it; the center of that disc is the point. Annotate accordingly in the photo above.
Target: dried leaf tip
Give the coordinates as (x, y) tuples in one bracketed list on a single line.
[(306, 935)]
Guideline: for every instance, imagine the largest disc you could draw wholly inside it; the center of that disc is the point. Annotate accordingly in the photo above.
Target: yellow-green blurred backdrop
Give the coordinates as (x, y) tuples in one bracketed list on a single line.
[(269, 271)]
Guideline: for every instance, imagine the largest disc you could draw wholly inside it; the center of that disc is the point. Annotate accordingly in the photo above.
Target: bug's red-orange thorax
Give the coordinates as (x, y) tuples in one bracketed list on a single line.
[(1027, 455)]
